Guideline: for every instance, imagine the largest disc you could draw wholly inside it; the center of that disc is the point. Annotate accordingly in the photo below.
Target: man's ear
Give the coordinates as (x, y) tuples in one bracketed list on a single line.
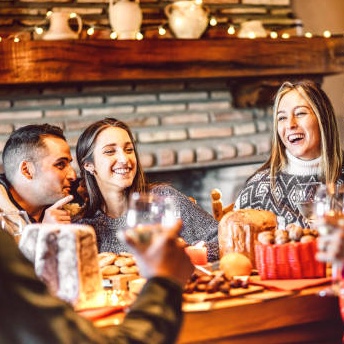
[(27, 169), (89, 167)]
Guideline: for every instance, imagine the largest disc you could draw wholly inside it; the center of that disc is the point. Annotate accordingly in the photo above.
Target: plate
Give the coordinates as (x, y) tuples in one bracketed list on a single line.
[(234, 292), (99, 312)]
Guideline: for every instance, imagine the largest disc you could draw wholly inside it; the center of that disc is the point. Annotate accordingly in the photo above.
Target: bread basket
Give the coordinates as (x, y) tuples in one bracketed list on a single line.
[(292, 260)]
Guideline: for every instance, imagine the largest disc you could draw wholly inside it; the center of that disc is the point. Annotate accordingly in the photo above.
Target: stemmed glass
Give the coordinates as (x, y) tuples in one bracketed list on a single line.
[(329, 208), (147, 213), (304, 199), (14, 222)]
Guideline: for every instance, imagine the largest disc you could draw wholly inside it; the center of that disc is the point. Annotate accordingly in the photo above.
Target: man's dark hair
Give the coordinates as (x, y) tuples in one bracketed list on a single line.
[(25, 143)]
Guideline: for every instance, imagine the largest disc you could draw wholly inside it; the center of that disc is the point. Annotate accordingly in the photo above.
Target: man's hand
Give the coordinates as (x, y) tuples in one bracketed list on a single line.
[(164, 256), (56, 213)]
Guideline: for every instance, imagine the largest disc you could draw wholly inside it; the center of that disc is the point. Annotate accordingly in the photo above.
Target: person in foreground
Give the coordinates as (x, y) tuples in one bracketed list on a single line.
[(29, 314), (110, 166), (38, 173), (305, 148)]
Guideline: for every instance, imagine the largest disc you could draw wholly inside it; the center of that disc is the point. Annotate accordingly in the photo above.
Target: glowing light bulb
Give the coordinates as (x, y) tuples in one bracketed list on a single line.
[(273, 34), (212, 21), (39, 30), (90, 31), (162, 31), (139, 36), (308, 35), (231, 30), (327, 34), (285, 35), (113, 35)]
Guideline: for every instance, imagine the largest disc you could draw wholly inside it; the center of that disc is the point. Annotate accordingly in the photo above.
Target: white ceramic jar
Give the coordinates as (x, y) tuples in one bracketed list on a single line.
[(125, 18)]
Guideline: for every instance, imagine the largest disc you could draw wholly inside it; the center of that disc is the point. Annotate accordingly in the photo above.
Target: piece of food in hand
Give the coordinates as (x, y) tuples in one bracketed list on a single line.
[(235, 264), (73, 208)]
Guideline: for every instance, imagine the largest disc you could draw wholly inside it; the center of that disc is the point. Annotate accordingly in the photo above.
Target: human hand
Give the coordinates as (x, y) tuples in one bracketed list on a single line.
[(163, 256), (56, 213)]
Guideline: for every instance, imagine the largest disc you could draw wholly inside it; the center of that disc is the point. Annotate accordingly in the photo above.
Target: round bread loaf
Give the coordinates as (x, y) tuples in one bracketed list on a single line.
[(239, 229)]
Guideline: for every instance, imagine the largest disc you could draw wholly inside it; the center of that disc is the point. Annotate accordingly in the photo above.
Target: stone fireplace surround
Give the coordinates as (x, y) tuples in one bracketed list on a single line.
[(193, 130)]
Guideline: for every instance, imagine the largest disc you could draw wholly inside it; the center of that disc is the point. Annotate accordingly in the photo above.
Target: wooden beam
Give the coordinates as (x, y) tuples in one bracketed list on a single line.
[(107, 60)]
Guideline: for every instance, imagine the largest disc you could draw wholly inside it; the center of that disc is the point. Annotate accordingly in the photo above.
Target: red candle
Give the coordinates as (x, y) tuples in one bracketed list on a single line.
[(197, 254)]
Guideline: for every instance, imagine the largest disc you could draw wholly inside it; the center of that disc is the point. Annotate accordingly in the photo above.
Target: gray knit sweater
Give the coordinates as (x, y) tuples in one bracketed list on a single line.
[(198, 225), (257, 193)]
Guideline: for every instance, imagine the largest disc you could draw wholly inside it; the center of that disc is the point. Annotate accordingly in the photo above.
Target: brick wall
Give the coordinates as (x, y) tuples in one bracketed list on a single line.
[(188, 133), (178, 125)]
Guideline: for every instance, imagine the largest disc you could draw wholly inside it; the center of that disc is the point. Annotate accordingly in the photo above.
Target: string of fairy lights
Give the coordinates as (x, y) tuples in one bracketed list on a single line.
[(91, 30)]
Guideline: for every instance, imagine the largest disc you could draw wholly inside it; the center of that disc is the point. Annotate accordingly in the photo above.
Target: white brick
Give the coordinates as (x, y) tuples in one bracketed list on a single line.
[(132, 98), (107, 111), (183, 96), (161, 136), (160, 108), (245, 148), (244, 129)]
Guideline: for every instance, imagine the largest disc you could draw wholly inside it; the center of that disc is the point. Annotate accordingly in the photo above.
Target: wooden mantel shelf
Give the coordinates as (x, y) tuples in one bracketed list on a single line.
[(33, 62)]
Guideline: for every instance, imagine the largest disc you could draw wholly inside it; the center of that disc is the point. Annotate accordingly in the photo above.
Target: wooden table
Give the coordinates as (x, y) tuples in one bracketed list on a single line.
[(304, 317), (265, 317)]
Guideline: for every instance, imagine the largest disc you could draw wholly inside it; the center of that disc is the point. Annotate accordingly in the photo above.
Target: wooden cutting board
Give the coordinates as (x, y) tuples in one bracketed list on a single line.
[(234, 292)]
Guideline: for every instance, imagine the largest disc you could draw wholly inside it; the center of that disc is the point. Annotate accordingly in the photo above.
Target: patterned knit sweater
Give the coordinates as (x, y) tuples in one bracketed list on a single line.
[(257, 193), (198, 225)]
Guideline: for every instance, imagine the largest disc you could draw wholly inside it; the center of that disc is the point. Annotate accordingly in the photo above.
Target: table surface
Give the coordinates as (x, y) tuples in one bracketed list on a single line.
[(262, 317)]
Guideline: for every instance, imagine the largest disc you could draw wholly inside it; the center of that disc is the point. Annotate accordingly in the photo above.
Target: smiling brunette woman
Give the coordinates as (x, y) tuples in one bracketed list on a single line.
[(110, 167), (305, 148)]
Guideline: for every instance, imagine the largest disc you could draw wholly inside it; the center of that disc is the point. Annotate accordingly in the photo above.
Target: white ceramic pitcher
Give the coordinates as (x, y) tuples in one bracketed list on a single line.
[(187, 19), (60, 28)]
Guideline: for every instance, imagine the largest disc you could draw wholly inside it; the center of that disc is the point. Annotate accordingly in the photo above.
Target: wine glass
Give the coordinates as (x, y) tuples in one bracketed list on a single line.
[(330, 225), (304, 200), (14, 222), (147, 214)]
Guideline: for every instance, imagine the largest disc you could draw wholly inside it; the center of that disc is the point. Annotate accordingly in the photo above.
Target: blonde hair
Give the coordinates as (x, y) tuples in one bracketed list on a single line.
[(331, 153)]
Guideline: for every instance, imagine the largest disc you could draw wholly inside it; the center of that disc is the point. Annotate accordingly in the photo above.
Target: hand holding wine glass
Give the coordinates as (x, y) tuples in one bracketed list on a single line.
[(14, 222), (330, 225)]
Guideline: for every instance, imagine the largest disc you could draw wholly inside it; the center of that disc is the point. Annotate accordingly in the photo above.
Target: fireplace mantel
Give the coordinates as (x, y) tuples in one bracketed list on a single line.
[(109, 60), (244, 62)]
